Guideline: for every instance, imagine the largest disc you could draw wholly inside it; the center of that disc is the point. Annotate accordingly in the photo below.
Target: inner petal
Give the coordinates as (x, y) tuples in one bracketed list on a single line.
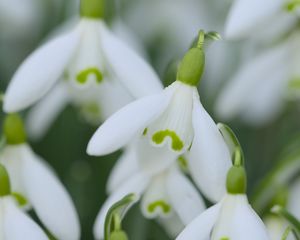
[(87, 66), (174, 126), (155, 202)]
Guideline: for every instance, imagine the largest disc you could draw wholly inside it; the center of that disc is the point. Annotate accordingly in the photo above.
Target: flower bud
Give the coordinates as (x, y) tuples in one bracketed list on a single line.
[(13, 128)]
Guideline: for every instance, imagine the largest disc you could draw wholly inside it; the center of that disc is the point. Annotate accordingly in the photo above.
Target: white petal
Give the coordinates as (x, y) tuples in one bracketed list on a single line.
[(136, 75), (152, 159), (245, 16), (46, 111), (201, 227), (177, 119), (247, 225), (136, 184), (49, 199), (12, 157), (121, 127), (265, 77), (125, 167), (39, 72), (17, 225), (155, 202), (209, 158), (172, 225), (184, 197)]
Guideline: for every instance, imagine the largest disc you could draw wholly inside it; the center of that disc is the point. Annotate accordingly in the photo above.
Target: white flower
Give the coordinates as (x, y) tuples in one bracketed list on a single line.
[(269, 78), (173, 121), (174, 118), (87, 64), (15, 224), (248, 18), (232, 218), (34, 181), (167, 194)]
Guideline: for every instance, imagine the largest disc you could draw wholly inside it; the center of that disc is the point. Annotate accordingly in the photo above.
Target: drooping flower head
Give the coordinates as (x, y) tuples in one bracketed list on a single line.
[(232, 218), (35, 184), (173, 121), (14, 223), (87, 66)]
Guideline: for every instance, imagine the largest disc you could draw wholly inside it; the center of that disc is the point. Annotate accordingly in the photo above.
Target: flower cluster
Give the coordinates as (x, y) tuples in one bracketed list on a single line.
[(185, 171)]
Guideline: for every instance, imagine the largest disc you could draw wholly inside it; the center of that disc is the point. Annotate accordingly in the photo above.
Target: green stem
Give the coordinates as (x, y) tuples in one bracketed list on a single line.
[(286, 215), (116, 209)]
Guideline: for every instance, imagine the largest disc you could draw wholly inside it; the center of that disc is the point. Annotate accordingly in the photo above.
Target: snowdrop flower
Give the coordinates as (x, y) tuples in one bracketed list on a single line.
[(15, 224), (87, 65), (251, 16), (35, 185), (173, 121), (232, 218), (167, 195), (272, 77)]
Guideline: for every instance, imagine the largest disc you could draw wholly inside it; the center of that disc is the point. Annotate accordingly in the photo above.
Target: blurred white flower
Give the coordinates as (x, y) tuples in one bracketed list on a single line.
[(167, 195), (35, 184), (168, 26), (87, 65), (259, 89), (15, 224), (251, 18)]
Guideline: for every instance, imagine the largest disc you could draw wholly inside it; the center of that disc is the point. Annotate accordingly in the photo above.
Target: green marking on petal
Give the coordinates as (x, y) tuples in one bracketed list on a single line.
[(294, 84), (82, 77), (145, 131), (224, 238), (22, 201), (183, 163), (4, 182), (160, 136), (159, 204)]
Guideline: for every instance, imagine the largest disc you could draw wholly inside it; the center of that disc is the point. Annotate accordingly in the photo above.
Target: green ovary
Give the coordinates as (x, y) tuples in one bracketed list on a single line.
[(82, 77), (161, 204), (160, 136)]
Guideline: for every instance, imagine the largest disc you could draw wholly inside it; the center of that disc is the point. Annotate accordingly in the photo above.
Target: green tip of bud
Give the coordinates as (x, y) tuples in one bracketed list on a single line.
[(14, 130), (236, 179), (92, 8), (118, 235), (4, 182), (191, 67)]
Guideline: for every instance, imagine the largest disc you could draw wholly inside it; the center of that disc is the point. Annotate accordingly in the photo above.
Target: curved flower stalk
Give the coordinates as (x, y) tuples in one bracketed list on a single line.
[(85, 66), (173, 121), (271, 18), (35, 185), (278, 228), (232, 218), (272, 77), (166, 194), (15, 224)]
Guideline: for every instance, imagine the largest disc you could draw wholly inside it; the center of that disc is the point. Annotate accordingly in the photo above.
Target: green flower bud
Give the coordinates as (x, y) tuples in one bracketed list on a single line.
[(14, 129), (118, 235), (236, 180), (92, 8), (192, 65), (4, 182)]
